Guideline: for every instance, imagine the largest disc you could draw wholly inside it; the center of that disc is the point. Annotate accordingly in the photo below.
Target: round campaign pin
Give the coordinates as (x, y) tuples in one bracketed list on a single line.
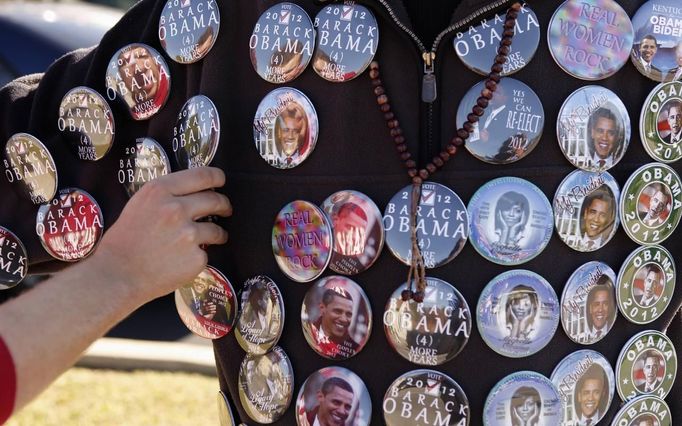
[(29, 165), (333, 395), (13, 259), (142, 162), (478, 44), (650, 204), (425, 397), (336, 317), (282, 42), (347, 40), (358, 231), (645, 410), (71, 225), (586, 385), (586, 210), (588, 303), (431, 332), (657, 51), (593, 128), (511, 126), (266, 385), (511, 221), (208, 305), (188, 29), (225, 416), (517, 313), (302, 241), (647, 364), (442, 224), (261, 320), (646, 284), (660, 122), (87, 123), (590, 39), (285, 128), (523, 398), (196, 133), (138, 78)]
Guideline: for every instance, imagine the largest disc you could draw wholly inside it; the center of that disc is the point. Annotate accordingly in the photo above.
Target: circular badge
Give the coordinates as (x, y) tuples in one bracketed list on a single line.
[(432, 332), (510, 127), (586, 385), (523, 398), (442, 224), (660, 123), (347, 40), (588, 303), (517, 313), (71, 225), (358, 231), (285, 128), (86, 121), (511, 221), (650, 205), (282, 43), (188, 29), (196, 133), (13, 259), (139, 78), (645, 410), (207, 305), (302, 241), (143, 162), (261, 320), (586, 210), (646, 284), (266, 385), (593, 128), (426, 396), (225, 416), (29, 164), (657, 51), (333, 395), (479, 44)]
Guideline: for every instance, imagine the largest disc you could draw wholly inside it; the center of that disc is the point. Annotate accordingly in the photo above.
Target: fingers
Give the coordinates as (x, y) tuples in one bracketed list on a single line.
[(209, 233), (193, 180), (206, 203)]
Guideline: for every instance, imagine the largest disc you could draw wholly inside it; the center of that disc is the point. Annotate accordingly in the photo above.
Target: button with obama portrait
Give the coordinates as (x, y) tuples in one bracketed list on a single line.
[(650, 204), (87, 123), (586, 210), (333, 396), (281, 44), (358, 231), (196, 133), (13, 259), (208, 305), (646, 284), (188, 29), (523, 398), (285, 128), (139, 80), (586, 385), (647, 364), (660, 122), (30, 166), (645, 410), (261, 319), (593, 128), (225, 416), (71, 225), (145, 161), (517, 313)]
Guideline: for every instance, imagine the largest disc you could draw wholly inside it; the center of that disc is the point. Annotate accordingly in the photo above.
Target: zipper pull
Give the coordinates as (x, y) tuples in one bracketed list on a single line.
[(429, 93)]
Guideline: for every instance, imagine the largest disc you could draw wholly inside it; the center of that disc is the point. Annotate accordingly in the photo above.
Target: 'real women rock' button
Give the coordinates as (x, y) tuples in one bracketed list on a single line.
[(261, 319), (13, 259), (196, 134), (86, 121), (188, 29), (30, 166)]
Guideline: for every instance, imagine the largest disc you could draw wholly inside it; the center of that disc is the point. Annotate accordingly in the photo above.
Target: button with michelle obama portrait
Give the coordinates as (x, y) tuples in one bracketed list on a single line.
[(142, 162), (188, 29), (196, 133), (285, 128), (645, 410), (12, 258), (261, 318), (30, 165), (646, 283), (86, 121), (660, 123)]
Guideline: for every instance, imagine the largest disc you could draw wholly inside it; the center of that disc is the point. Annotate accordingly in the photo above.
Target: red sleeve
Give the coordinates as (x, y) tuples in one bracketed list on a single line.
[(8, 382)]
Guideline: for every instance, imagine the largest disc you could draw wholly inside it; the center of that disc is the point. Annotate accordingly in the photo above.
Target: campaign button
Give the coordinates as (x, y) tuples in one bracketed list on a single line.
[(590, 39), (138, 78), (142, 162), (425, 397), (660, 122), (188, 29), (650, 205), (647, 364), (645, 410), (261, 319), (196, 134), (13, 259), (208, 305), (266, 385), (87, 123), (29, 165), (302, 241), (225, 416), (511, 126), (646, 284), (285, 128), (281, 43), (593, 128)]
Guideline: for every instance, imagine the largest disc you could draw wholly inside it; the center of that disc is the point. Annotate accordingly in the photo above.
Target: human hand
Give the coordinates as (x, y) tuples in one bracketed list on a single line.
[(208, 309)]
